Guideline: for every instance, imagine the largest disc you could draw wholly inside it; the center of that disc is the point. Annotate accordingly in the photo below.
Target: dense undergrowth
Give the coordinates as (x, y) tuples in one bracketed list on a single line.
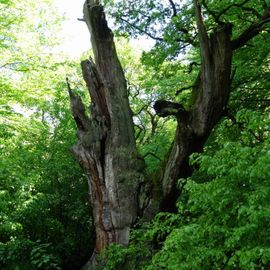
[(223, 212)]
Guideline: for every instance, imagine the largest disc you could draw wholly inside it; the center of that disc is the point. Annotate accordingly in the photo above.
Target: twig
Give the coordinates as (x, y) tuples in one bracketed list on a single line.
[(139, 29), (173, 8), (152, 154)]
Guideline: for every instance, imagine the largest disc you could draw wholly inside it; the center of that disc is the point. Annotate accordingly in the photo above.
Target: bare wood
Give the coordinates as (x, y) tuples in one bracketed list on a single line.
[(106, 147)]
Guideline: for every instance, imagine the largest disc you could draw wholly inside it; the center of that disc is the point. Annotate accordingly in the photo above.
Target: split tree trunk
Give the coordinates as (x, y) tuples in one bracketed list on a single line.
[(106, 147)]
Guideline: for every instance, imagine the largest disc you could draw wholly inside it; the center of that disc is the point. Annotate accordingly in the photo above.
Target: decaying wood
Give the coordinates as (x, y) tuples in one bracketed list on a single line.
[(106, 147)]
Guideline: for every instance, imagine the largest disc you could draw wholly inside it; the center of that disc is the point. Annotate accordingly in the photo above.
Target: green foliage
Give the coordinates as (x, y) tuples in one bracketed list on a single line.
[(113, 257), (45, 218), (41, 259), (41, 255), (153, 20), (43, 195), (229, 213), (224, 212), (224, 222)]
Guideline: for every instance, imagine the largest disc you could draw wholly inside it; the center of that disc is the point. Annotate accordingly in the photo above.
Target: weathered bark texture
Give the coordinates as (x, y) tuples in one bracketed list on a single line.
[(106, 147), (210, 98)]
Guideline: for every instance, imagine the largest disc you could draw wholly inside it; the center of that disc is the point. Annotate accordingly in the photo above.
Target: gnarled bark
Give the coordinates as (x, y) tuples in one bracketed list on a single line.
[(106, 147)]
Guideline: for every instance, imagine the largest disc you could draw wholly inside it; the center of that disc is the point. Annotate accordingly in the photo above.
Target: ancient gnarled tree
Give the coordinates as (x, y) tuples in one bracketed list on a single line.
[(106, 148)]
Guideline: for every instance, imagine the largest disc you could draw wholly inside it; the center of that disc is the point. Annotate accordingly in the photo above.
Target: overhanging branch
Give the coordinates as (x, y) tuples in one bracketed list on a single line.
[(165, 108), (222, 12), (252, 31), (140, 30)]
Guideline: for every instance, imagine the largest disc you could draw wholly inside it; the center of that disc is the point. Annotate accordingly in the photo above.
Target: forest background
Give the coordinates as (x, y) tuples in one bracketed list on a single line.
[(223, 215)]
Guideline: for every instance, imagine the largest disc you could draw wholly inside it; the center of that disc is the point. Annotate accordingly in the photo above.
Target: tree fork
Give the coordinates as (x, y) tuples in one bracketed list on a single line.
[(211, 93)]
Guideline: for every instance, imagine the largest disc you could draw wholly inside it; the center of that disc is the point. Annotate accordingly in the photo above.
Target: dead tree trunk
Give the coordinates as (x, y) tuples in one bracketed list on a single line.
[(106, 147)]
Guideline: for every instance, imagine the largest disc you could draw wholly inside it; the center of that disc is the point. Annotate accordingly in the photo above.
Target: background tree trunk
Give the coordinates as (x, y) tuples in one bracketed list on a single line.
[(210, 96)]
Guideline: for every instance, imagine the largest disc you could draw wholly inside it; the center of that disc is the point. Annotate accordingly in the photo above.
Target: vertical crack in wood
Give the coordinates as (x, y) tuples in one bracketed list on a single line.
[(106, 150)]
